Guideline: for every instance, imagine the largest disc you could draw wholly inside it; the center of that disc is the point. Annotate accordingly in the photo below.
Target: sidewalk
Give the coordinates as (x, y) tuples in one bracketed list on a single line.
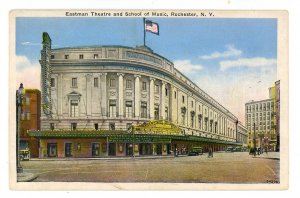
[(26, 177), (269, 155)]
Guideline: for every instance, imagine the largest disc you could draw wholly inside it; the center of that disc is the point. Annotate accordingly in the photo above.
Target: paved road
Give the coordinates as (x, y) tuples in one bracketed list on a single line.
[(223, 168)]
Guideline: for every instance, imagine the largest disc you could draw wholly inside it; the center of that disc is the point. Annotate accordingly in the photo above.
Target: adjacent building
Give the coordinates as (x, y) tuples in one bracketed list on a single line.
[(30, 120), (262, 120), (122, 101)]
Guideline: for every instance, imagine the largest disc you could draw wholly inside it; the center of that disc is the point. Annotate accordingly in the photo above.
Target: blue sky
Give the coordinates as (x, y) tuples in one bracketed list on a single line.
[(231, 59)]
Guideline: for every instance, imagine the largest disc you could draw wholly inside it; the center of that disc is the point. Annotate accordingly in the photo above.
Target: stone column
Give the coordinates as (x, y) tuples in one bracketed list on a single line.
[(88, 95), (151, 94), (60, 94), (103, 85), (137, 96), (121, 94), (163, 96)]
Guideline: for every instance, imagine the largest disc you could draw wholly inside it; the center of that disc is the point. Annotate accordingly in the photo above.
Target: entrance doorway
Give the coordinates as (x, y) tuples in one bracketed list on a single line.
[(145, 149), (129, 149), (159, 149), (68, 149), (112, 149), (168, 149), (95, 149), (52, 150)]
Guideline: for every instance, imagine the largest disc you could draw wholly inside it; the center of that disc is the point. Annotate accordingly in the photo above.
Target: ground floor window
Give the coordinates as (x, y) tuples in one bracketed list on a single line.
[(68, 149), (52, 150), (111, 149), (95, 149)]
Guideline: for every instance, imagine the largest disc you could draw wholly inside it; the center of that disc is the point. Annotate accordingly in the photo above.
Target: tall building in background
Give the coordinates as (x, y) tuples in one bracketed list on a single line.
[(262, 120), (30, 120), (277, 96)]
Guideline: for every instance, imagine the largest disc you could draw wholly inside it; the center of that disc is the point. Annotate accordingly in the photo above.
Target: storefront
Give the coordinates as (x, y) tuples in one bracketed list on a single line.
[(154, 138)]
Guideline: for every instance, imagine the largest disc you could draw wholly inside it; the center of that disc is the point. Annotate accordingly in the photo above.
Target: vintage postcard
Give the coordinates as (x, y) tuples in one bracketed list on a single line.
[(148, 100)]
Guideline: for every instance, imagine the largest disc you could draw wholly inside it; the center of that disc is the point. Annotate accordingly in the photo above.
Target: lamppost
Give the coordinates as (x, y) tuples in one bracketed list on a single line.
[(19, 101), (260, 142), (254, 140), (132, 140)]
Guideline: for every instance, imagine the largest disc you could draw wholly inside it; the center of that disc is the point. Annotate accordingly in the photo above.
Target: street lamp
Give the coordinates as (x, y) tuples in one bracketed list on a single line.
[(254, 140), (19, 101)]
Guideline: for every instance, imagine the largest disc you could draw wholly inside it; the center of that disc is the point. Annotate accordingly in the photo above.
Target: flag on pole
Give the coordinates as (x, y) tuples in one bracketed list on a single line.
[(151, 27)]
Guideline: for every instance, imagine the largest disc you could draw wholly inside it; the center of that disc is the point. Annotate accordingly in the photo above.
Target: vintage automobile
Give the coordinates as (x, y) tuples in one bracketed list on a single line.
[(196, 151), (229, 149)]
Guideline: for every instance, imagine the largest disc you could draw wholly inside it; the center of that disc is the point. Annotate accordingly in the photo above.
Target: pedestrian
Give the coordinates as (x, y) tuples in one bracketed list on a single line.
[(210, 153)]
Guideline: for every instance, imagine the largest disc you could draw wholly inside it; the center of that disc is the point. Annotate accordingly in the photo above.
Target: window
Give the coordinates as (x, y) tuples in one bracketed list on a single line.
[(27, 101), (52, 126), (28, 116), (74, 108), (74, 82), (182, 99), (52, 82), (128, 109), (80, 56), (175, 94), (96, 126), (73, 126), (96, 56), (166, 113), (144, 109), (166, 92), (96, 82), (128, 84), (52, 56), (156, 89), (144, 86), (112, 82), (52, 149), (128, 126), (68, 150), (112, 108), (156, 111), (112, 126), (199, 108), (192, 103), (66, 56)]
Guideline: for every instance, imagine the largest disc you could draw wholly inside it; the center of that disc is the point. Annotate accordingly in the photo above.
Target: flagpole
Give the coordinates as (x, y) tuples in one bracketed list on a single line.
[(144, 31)]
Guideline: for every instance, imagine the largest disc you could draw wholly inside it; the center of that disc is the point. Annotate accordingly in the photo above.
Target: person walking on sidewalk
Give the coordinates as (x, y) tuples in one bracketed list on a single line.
[(210, 152)]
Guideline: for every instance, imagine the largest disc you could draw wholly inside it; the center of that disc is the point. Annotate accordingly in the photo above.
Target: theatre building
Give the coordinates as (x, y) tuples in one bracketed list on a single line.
[(123, 101)]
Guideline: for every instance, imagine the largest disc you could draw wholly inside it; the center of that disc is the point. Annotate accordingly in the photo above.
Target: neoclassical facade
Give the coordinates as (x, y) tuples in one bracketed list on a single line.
[(115, 88)]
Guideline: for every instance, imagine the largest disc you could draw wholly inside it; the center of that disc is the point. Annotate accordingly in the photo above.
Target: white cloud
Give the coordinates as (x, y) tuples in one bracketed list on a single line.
[(30, 43), (186, 67), (257, 62), (231, 51), (233, 91), (27, 72)]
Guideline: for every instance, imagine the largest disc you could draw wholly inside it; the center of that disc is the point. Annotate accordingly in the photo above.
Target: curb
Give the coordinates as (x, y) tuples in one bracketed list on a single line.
[(26, 177)]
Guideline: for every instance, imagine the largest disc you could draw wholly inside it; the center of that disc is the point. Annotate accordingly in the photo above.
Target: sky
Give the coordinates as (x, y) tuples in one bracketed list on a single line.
[(233, 60)]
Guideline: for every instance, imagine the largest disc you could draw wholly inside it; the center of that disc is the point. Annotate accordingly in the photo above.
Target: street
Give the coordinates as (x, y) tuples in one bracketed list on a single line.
[(237, 167)]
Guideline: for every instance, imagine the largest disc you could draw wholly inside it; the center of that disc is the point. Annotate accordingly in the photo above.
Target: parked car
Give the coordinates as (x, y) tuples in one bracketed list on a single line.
[(229, 149), (196, 151), (238, 149)]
